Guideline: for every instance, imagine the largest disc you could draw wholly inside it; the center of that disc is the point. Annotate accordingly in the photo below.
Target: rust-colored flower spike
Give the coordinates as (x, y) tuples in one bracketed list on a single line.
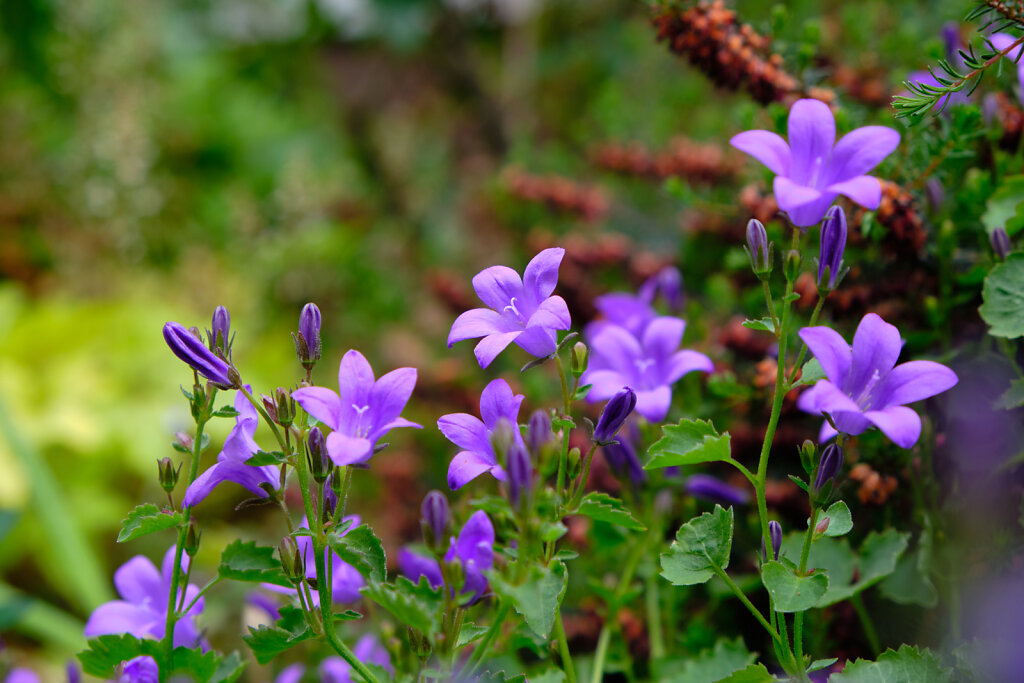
[(558, 193), (684, 158), (732, 54)]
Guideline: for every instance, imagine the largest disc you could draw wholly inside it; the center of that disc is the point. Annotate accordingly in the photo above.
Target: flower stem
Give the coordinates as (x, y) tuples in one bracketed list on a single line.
[(803, 348), (771, 306), (746, 602), (563, 648), (866, 623), (798, 620), (480, 652)]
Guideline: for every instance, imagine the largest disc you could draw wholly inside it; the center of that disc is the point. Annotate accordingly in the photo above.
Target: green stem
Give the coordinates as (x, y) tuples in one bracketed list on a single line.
[(803, 348), (866, 624), (563, 457), (771, 306), (604, 639), (746, 602), (798, 620), (653, 605), (480, 652), (563, 649)]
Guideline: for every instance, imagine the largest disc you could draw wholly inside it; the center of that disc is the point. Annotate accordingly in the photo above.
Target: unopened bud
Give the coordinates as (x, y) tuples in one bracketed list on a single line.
[(220, 332), (574, 463), (337, 481), (807, 452), (291, 560), (793, 262), (538, 433), (829, 467), (670, 282), (758, 248), (270, 405), (614, 415), (833, 243), (435, 518), (168, 474), (307, 340), (822, 526), (1000, 243), (187, 345), (775, 532), (520, 473), (285, 407), (319, 463), (192, 536), (579, 357)]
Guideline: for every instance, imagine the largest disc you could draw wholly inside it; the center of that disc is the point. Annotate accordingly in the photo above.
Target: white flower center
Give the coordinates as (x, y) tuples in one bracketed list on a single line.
[(361, 430)]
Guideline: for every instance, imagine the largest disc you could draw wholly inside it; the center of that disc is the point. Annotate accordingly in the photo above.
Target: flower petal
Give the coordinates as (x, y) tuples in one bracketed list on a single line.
[(230, 470), (321, 403), (541, 274), (863, 189), (465, 431), (499, 401), (831, 350), (119, 616), (138, 580), (553, 313), (490, 346), (465, 467), (913, 381), (812, 132), (861, 150), (663, 336), (683, 362), (497, 285), (849, 422), (345, 582), (811, 213), (476, 541), (348, 450), (412, 565), (477, 322), (617, 349), (537, 341), (605, 384), (826, 397), (791, 195), (876, 348), (654, 403), (767, 147), (390, 394), (899, 423), (355, 380)]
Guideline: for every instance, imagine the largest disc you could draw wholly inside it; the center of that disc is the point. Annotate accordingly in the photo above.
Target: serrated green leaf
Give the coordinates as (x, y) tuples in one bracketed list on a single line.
[(552, 531), (792, 593), (601, 506), (712, 664), (689, 443), (840, 521), (263, 458), (906, 665), (470, 634), (251, 563), (537, 599), (361, 548), (702, 545), (414, 604), (755, 673), (1003, 294), (147, 519), (764, 325), (1012, 397), (267, 642), (229, 670), (106, 653)]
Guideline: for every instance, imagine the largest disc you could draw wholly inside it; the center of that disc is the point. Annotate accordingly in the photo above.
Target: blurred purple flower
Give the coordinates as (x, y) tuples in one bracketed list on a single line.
[(497, 404), (715, 490), (291, 674), (363, 411), (927, 78), (22, 675), (812, 170), (367, 650), (865, 386), (521, 311), (649, 364), (474, 548), (191, 349), (1002, 41), (635, 311), (142, 611), (239, 446), (622, 458), (140, 670)]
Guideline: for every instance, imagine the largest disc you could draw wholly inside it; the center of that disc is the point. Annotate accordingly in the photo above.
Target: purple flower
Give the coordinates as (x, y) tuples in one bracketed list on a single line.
[(142, 611), (22, 675), (622, 458), (367, 650), (291, 674), (632, 312), (474, 549), (1000, 241), (522, 311), (140, 670), (649, 364), (865, 386), (715, 490), (497, 405), (775, 533), (812, 170), (434, 512), (833, 243), (189, 348), (829, 467), (519, 468), (669, 282), (1002, 41), (614, 415), (239, 446), (363, 411), (307, 341)]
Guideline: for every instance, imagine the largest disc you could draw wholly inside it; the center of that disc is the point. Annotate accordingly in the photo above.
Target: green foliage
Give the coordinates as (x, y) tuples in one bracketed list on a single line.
[(840, 521), (251, 563), (762, 325), (363, 550), (1012, 397), (537, 598), (906, 665), (267, 642), (702, 545), (147, 519), (106, 653), (713, 664), (1005, 206), (791, 592), (755, 673), (690, 442), (1003, 293), (602, 507), (414, 604)]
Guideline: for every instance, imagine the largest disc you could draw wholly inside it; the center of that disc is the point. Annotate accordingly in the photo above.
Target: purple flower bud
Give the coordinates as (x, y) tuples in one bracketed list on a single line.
[(73, 673), (520, 473), (775, 532), (291, 560), (187, 347), (715, 490), (623, 460), (435, 517), (220, 331), (1000, 243), (935, 193), (833, 243), (829, 467), (758, 248), (141, 669), (951, 37), (614, 415), (307, 342), (320, 464), (539, 434), (670, 282)]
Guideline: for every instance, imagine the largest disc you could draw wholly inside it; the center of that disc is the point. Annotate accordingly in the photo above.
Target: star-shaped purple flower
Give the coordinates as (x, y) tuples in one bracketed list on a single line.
[(497, 404), (865, 387), (474, 548), (142, 610), (362, 411), (635, 311), (522, 311), (649, 364), (230, 466), (812, 170)]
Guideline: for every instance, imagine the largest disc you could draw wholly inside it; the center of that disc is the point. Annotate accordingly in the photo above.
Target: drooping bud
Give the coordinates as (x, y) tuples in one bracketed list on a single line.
[(538, 433), (220, 332), (435, 518), (758, 249), (285, 407), (775, 532), (320, 464), (307, 340), (833, 243), (829, 467), (519, 468), (168, 474), (190, 349), (579, 355), (618, 408), (623, 460), (192, 536), (1000, 243), (291, 560)]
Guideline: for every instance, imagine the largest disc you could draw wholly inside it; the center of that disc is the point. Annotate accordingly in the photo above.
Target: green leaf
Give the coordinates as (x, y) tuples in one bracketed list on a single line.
[(251, 563), (552, 531), (106, 652), (417, 605), (791, 297), (470, 634), (1005, 207), (840, 521), (147, 519), (702, 545), (581, 392), (810, 373), (819, 664), (1003, 294), (601, 506), (688, 443), (755, 673), (910, 583), (229, 670), (549, 676), (267, 642), (727, 657), (764, 325), (361, 548), (792, 593), (263, 458), (907, 665), (1012, 397), (537, 599)]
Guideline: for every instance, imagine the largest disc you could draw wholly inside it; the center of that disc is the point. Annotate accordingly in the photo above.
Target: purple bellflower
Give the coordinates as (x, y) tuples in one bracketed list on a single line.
[(1002, 41), (362, 411), (649, 364), (519, 310), (367, 650), (142, 610), (140, 670), (474, 548), (307, 342), (498, 405), (812, 170), (22, 675), (291, 674), (189, 348), (865, 387), (713, 489), (635, 311), (239, 446)]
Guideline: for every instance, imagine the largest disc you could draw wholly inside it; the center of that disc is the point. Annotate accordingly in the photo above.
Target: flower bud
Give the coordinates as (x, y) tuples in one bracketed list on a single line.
[(807, 452), (579, 356), (219, 333), (822, 526), (285, 407), (574, 464), (168, 474), (775, 532), (190, 349), (829, 466), (623, 460), (833, 243), (791, 268), (291, 560), (337, 481), (934, 193), (758, 249), (319, 463), (307, 340), (519, 468), (1000, 243), (538, 433), (435, 518), (670, 282), (614, 415), (192, 536)]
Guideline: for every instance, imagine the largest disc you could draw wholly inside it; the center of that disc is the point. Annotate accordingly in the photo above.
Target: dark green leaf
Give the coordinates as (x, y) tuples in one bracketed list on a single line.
[(581, 392), (229, 670), (412, 604), (688, 443), (755, 673), (702, 545), (727, 657), (267, 642), (107, 652), (1003, 294), (907, 665), (792, 593), (764, 325), (840, 521), (819, 664), (1005, 207), (251, 563), (470, 634), (361, 548), (601, 506), (146, 519), (262, 458), (537, 599)]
